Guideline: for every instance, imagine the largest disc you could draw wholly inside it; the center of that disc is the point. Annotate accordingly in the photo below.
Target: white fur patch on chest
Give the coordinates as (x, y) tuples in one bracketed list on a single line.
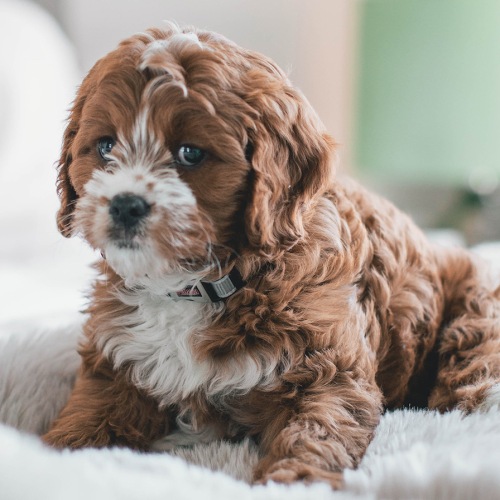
[(156, 342)]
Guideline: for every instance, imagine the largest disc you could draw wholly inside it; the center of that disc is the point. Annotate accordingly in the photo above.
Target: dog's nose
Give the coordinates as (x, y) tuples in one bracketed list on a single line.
[(127, 210)]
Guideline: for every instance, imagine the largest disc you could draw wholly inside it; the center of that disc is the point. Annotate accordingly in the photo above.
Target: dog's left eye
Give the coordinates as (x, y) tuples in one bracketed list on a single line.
[(189, 156), (104, 147)]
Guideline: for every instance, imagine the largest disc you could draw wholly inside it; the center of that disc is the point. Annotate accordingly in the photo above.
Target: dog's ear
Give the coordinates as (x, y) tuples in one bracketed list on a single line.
[(65, 189), (292, 159)]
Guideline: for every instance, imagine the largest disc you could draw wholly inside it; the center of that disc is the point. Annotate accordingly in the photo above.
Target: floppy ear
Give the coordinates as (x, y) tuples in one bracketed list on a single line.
[(292, 163), (65, 190)]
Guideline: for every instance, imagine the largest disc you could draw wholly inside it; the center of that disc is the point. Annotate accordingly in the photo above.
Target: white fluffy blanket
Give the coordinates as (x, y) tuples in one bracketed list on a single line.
[(415, 454)]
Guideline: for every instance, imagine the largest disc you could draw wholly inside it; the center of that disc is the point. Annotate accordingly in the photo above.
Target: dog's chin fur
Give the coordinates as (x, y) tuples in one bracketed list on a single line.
[(141, 267), (346, 307)]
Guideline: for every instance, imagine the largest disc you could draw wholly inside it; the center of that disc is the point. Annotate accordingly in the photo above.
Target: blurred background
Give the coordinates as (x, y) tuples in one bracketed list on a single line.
[(409, 89)]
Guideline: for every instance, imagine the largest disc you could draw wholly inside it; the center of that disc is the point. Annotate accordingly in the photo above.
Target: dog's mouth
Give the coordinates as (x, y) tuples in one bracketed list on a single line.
[(127, 245), (138, 253), (125, 240)]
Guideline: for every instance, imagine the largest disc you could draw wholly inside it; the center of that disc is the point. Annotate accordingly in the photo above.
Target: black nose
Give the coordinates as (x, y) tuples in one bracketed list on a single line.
[(127, 210)]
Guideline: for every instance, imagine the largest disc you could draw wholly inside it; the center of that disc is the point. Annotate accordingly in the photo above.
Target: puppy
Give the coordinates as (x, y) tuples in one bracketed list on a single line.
[(244, 290)]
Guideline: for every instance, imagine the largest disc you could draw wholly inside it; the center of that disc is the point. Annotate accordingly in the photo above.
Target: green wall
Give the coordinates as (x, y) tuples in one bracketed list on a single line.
[(429, 90)]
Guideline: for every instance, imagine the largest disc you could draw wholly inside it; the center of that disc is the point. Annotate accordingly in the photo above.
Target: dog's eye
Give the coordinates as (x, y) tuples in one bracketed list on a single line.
[(104, 147), (189, 156)]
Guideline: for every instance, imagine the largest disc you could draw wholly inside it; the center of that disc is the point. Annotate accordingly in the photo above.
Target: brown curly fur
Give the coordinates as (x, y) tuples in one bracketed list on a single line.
[(344, 295)]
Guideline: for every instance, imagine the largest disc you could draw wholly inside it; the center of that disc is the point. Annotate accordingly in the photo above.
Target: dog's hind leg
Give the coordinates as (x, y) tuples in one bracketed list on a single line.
[(469, 342)]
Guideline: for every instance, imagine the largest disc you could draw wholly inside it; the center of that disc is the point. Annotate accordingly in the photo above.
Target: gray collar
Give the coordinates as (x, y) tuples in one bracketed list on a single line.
[(211, 291)]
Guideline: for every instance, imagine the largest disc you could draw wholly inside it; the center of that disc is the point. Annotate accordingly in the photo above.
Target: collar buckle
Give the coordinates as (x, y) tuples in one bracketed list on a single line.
[(211, 291)]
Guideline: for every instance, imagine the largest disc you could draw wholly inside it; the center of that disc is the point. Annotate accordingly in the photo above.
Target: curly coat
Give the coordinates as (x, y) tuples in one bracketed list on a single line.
[(347, 308)]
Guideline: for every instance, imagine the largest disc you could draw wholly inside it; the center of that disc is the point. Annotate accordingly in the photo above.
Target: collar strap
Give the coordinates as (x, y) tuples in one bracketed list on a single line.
[(211, 291)]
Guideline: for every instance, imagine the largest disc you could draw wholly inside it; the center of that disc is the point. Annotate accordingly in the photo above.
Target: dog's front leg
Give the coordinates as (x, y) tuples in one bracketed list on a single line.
[(104, 411), (326, 431)]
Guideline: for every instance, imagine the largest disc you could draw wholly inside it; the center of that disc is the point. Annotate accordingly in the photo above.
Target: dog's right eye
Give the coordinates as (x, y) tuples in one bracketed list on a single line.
[(104, 147)]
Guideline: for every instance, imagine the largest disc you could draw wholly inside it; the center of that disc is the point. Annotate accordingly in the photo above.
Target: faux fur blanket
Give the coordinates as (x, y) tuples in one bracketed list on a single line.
[(415, 454)]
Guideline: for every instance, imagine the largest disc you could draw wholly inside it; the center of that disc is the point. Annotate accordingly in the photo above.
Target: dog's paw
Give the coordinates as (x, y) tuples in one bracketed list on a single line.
[(288, 471), (58, 438)]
